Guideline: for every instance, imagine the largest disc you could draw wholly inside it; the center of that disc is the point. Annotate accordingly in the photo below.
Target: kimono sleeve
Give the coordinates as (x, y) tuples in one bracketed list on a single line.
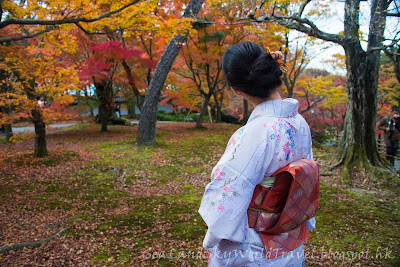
[(227, 197)]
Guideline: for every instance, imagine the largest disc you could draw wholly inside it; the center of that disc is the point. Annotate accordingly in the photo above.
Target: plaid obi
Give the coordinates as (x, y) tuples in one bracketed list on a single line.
[(279, 213)]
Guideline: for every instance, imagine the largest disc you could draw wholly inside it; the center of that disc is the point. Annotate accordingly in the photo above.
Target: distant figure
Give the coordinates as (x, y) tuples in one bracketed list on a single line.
[(40, 102), (117, 111), (390, 125)]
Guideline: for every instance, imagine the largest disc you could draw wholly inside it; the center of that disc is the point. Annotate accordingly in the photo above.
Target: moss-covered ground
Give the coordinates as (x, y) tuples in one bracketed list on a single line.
[(134, 206)]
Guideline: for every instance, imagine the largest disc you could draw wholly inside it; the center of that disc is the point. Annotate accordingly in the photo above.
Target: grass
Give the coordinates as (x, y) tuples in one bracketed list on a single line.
[(154, 220)]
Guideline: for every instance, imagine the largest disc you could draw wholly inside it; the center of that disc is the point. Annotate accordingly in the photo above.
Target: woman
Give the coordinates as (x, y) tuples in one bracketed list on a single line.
[(274, 136)]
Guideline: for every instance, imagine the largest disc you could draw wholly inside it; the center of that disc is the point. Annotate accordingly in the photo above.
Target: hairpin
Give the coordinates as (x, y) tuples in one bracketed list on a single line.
[(277, 55)]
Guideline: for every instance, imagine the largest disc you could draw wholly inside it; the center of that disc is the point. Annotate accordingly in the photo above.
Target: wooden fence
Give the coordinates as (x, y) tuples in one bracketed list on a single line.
[(380, 142)]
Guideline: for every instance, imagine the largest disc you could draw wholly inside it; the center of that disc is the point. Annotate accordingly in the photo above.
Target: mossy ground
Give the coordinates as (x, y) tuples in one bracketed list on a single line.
[(135, 206)]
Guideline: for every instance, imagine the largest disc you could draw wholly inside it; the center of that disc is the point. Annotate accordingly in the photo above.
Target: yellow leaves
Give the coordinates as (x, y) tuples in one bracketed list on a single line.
[(361, 35), (11, 99), (20, 137), (60, 41), (322, 86), (300, 93), (12, 8), (319, 8)]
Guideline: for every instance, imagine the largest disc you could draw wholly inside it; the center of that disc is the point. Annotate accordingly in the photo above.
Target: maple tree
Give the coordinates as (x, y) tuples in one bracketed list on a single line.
[(146, 29), (35, 70), (111, 66), (202, 56), (21, 20), (101, 69), (51, 15), (322, 99), (388, 88)]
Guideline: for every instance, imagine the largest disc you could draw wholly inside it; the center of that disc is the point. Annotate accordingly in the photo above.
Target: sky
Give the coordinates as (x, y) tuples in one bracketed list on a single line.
[(334, 24)]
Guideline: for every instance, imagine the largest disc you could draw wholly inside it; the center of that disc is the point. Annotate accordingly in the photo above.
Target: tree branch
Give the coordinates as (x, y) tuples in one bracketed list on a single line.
[(63, 21), (393, 14), (31, 244), (304, 110), (94, 33), (294, 22), (27, 36), (302, 7), (384, 47)]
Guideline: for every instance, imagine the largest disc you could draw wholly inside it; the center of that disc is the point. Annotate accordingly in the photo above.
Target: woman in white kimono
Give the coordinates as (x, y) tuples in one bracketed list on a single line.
[(274, 136)]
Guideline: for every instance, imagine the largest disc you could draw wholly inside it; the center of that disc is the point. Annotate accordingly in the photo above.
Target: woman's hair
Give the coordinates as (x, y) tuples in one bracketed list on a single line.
[(249, 69)]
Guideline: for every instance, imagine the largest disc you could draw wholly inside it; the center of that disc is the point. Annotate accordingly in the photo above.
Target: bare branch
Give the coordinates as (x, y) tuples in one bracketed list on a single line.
[(27, 36), (63, 21), (303, 25), (302, 7), (257, 8), (261, 5), (393, 14), (94, 33), (384, 47), (319, 99), (32, 244)]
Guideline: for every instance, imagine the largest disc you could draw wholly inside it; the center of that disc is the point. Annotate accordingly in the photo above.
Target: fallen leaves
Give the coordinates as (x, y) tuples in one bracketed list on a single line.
[(152, 220)]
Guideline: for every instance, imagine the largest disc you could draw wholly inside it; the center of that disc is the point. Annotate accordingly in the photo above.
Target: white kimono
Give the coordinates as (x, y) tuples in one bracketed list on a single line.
[(274, 136)]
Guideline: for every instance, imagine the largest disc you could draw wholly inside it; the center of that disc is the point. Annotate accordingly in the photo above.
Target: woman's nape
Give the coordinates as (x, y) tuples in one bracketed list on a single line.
[(254, 100)]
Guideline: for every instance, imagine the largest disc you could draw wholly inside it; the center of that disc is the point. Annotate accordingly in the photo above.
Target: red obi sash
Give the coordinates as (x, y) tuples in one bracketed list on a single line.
[(279, 213)]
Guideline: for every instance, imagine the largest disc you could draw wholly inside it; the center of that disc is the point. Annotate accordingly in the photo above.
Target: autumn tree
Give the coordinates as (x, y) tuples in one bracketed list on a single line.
[(389, 86), (183, 96), (101, 70), (36, 70), (6, 109), (21, 20), (202, 55), (35, 18)]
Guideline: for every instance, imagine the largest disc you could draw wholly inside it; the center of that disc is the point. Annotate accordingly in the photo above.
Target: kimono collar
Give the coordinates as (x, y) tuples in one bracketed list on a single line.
[(276, 108)]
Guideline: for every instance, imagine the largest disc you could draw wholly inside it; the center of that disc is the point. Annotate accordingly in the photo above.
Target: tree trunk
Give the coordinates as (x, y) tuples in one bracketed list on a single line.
[(128, 72), (7, 127), (219, 106), (245, 111), (130, 105), (104, 94), (91, 111), (148, 117), (219, 113), (40, 133), (4, 88), (204, 109), (37, 117), (358, 144)]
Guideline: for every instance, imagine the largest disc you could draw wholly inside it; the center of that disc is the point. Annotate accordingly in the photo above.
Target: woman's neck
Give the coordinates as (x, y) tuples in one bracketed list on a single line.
[(258, 100)]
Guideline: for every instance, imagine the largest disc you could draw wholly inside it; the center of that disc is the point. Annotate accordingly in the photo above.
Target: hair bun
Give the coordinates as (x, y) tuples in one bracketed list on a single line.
[(248, 68)]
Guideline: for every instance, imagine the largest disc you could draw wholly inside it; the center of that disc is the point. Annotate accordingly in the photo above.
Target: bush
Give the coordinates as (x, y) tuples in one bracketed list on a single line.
[(162, 116), (120, 121), (21, 137), (328, 136), (229, 119)]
